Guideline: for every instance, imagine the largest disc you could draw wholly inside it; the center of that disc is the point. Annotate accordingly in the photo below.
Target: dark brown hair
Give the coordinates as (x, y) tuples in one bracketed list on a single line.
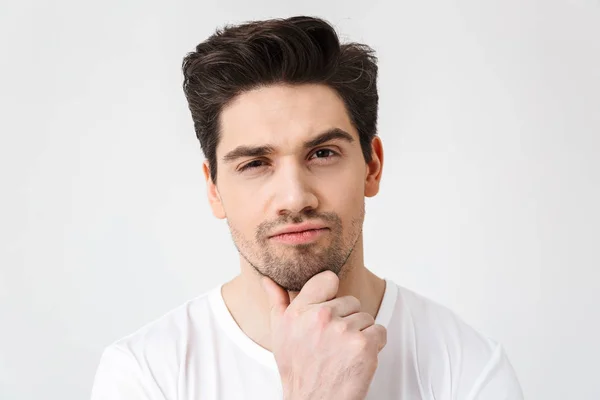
[(292, 51)]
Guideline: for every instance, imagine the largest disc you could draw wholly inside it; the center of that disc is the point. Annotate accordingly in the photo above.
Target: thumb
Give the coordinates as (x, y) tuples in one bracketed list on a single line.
[(278, 298)]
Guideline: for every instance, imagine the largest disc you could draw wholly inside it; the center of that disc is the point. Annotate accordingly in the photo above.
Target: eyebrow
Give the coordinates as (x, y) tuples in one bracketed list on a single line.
[(258, 151)]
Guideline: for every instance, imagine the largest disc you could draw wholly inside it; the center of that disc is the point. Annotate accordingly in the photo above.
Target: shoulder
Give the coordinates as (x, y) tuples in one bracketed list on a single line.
[(172, 329), (450, 354), (437, 324), (145, 361)]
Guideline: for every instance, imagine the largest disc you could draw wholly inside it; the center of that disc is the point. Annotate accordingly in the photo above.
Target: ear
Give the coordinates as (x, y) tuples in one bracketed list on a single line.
[(214, 198), (374, 168)]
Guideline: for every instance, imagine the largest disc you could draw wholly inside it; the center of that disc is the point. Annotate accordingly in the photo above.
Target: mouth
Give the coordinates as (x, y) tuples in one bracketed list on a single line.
[(300, 237)]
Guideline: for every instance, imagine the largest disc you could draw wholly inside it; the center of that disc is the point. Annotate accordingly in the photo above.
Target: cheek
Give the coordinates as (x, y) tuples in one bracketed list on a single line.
[(237, 200), (346, 194), (245, 229), (242, 213), (350, 183)]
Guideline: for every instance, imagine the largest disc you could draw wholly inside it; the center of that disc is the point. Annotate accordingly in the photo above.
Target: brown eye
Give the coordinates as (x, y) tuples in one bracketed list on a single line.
[(324, 153), (251, 165)]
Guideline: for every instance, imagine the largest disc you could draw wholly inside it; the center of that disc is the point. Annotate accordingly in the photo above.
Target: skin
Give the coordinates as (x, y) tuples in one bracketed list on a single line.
[(316, 298)]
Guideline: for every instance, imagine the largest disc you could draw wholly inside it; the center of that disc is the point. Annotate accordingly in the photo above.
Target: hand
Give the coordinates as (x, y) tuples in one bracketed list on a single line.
[(325, 348)]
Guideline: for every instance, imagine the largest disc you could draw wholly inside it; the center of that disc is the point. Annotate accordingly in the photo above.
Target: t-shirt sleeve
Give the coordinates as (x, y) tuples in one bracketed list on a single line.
[(119, 377), (497, 380)]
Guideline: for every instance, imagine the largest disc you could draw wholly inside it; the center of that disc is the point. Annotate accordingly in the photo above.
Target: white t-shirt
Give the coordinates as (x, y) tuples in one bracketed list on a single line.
[(197, 351)]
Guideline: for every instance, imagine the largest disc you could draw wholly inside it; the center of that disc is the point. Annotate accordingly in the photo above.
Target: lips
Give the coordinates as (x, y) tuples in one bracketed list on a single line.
[(304, 237), (299, 228)]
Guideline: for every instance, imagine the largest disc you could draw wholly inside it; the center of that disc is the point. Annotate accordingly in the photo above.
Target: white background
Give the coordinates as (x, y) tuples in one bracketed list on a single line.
[(490, 119)]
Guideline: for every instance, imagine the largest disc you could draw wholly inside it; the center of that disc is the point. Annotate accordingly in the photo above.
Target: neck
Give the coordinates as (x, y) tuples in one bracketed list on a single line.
[(247, 302)]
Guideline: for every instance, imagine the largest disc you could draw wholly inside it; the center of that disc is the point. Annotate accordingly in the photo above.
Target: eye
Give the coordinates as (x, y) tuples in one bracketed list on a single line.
[(324, 153), (251, 165)]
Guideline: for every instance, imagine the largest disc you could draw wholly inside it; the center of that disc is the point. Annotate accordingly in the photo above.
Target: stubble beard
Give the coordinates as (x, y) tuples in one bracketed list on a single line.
[(293, 266)]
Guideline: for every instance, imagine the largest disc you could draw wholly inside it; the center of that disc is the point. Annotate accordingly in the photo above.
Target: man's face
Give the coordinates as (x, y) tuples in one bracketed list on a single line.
[(271, 177)]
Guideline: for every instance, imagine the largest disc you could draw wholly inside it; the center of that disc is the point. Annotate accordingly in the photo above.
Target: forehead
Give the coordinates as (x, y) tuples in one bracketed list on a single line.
[(282, 115)]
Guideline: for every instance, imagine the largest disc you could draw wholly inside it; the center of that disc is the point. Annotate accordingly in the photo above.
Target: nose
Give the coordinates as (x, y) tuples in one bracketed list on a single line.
[(292, 190)]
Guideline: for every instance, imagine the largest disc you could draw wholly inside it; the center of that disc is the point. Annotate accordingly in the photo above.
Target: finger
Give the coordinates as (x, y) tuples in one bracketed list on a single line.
[(344, 306), (377, 334), (318, 289), (358, 321), (277, 297)]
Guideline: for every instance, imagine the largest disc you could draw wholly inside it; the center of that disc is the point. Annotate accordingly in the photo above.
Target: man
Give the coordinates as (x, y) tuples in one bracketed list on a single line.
[(286, 117)]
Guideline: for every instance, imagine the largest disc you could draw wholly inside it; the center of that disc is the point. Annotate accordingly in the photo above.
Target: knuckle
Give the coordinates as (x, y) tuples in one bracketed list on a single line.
[(324, 315), (293, 313), (380, 335), (359, 343), (383, 331), (341, 327), (354, 302), (368, 318)]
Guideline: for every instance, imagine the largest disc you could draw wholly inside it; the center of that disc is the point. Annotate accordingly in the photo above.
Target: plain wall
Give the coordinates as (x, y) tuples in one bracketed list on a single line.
[(490, 120)]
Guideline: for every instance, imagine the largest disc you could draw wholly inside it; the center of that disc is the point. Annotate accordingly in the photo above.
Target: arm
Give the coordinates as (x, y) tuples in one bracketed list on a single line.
[(120, 377), (497, 380)]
